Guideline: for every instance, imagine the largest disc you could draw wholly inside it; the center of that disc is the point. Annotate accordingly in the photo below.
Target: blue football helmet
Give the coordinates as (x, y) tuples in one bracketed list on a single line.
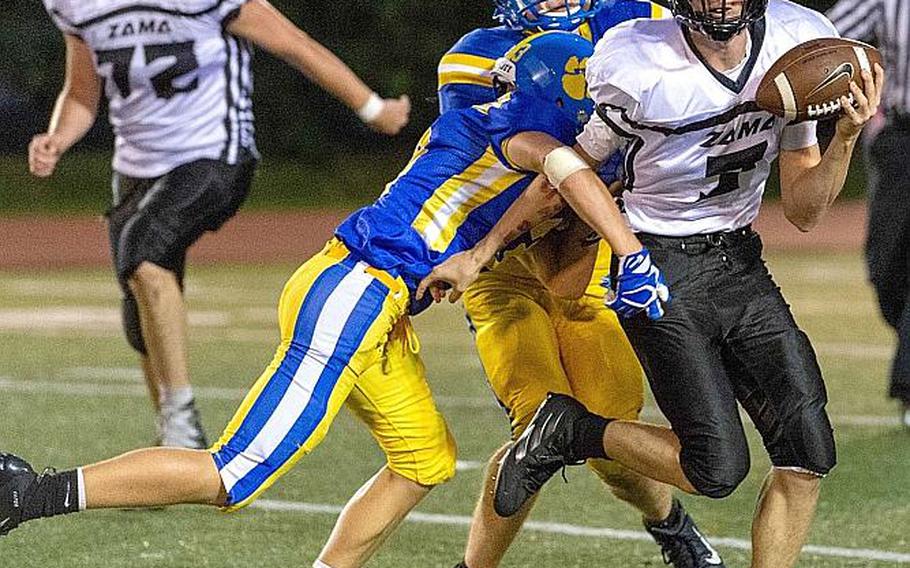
[(551, 67), (544, 15)]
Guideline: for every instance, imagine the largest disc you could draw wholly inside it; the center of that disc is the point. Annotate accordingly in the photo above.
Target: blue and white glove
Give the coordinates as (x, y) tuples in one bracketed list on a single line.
[(640, 286)]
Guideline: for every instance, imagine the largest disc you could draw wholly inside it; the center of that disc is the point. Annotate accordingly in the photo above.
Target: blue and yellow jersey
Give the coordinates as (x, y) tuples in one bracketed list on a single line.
[(457, 185), (464, 71)]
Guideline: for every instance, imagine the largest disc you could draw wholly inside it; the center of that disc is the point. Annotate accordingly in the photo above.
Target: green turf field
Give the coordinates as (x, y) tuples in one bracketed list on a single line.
[(71, 394)]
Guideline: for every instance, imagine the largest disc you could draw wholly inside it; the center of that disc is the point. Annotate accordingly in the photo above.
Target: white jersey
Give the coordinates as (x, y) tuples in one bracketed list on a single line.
[(179, 86), (699, 150)]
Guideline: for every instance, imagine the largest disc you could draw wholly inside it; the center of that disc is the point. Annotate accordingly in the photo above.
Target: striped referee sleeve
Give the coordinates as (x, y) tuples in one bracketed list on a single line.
[(856, 18), (886, 23)]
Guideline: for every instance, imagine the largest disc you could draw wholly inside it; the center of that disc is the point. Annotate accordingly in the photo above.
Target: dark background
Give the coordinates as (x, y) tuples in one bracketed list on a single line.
[(394, 45)]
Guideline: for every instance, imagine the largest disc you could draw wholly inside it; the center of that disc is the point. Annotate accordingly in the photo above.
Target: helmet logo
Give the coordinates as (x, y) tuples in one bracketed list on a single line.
[(573, 81)]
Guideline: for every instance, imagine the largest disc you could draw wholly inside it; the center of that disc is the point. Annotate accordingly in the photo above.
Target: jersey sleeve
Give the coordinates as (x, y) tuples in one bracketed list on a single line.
[(614, 86), (806, 24), (455, 96), (222, 12), (623, 10), (599, 139), (463, 73), (62, 20), (514, 113), (799, 135), (823, 27), (612, 82)]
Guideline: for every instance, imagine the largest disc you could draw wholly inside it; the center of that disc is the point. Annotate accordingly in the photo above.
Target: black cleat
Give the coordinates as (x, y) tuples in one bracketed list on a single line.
[(681, 543), (16, 476), (544, 448)]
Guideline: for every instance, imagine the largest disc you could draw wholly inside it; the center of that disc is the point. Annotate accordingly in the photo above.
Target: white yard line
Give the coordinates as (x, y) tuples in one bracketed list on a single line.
[(92, 319), (107, 390), (120, 374), (138, 390), (586, 531), (88, 318), (468, 465), (847, 350)]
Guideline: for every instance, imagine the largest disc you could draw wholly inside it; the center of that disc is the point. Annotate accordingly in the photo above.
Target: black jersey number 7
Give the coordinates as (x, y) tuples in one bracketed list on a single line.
[(728, 167), (164, 82)]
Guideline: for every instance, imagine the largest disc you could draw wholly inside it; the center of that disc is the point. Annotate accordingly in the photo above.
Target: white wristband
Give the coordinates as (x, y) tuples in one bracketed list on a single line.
[(371, 109), (561, 163)]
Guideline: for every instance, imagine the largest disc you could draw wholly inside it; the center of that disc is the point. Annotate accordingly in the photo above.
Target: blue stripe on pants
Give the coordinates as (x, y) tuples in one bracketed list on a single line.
[(364, 313), (281, 380)]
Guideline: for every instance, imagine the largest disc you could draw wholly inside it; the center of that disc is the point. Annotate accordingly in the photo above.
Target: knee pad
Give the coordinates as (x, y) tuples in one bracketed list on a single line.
[(131, 326), (132, 255), (806, 441), (797, 432), (718, 472), (427, 466)]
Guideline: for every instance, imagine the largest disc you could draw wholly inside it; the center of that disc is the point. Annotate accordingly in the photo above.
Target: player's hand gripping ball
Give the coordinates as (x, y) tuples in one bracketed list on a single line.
[(809, 81), (640, 286)]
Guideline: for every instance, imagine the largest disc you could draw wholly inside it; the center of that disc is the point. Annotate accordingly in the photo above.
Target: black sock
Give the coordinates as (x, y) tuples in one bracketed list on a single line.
[(589, 437), (672, 520), (51, 495)]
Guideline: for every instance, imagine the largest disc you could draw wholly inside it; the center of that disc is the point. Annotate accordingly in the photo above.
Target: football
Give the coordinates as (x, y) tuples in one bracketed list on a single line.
[(806, 83)]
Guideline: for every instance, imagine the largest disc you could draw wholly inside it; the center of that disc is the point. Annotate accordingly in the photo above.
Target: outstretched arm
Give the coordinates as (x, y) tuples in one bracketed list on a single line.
[(563, 260), (640, 287), (259, 22), (570, 172), (536, 203), (581, 189), (810, 181), (74, 113)]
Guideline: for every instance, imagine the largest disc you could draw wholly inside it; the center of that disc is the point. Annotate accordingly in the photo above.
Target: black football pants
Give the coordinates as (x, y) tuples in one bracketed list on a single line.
[(158, 219), (728, 336)]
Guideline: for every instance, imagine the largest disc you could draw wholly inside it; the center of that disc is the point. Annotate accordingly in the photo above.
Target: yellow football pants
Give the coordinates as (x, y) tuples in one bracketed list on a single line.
[(345, 339), (531, 342)]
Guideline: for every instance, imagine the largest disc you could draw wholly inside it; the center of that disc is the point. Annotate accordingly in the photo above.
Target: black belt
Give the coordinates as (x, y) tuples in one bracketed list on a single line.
[(717, 239)]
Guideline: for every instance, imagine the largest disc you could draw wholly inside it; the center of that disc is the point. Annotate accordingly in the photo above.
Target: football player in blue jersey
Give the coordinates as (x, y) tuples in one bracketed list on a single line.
[(530, 340), (346, 337), (464, 71)]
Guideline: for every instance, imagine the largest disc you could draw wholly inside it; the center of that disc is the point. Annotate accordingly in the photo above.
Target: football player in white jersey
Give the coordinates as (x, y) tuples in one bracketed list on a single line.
[(699, 152), (178, 78)]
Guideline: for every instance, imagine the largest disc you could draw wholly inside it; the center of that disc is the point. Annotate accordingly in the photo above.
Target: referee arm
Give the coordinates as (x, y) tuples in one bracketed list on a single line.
[(856, 18)]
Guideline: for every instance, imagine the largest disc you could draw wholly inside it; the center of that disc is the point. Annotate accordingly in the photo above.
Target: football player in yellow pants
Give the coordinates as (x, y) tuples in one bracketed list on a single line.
[(532, 342)]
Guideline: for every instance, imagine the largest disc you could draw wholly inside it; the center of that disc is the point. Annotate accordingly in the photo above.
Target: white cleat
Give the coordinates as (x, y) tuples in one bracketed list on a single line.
[(181, 427)]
